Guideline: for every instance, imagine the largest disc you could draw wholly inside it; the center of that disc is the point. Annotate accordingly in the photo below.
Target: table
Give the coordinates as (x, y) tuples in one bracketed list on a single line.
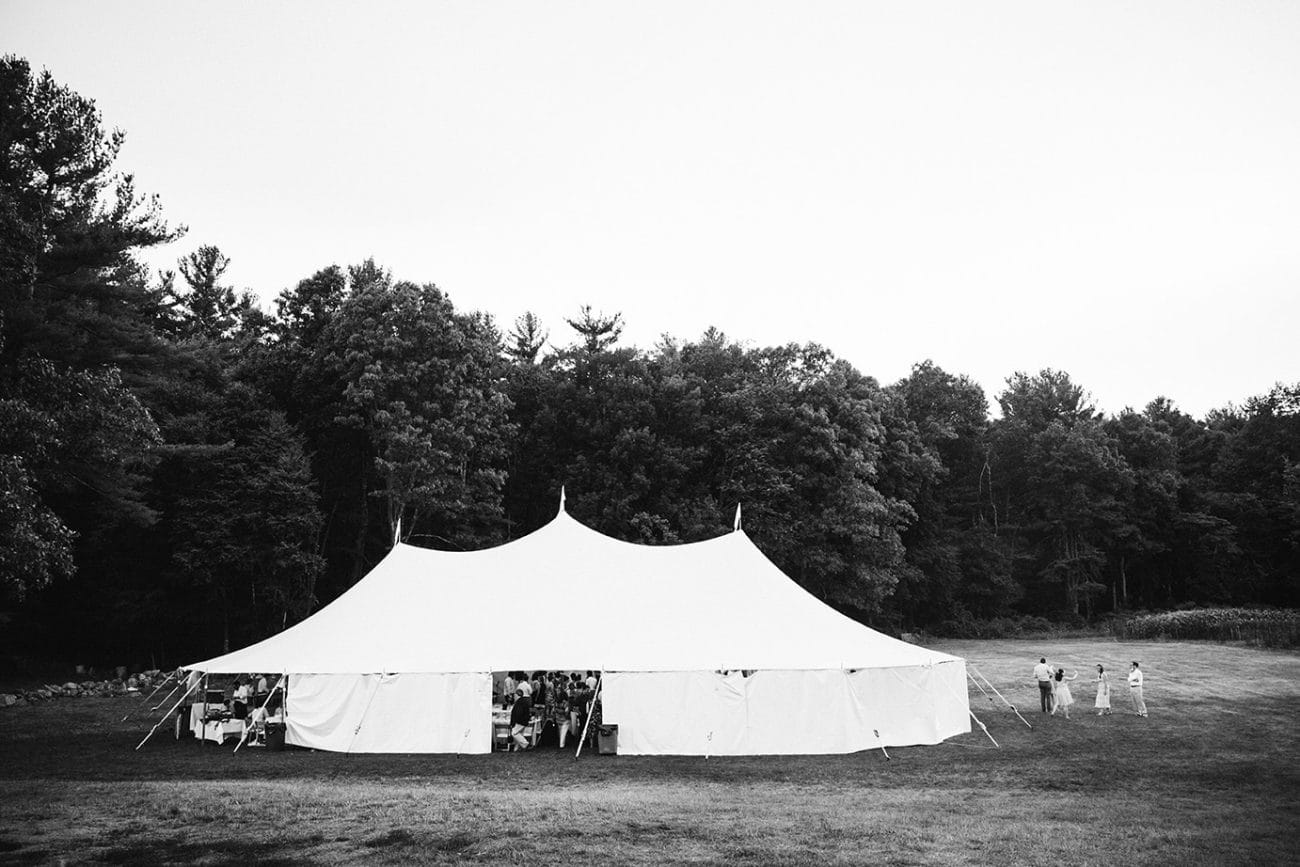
[(501, 728), (218, 730), (198, 712)]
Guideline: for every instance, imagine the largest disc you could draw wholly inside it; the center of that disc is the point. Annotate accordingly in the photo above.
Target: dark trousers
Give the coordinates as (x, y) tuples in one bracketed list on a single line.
[(1045, 693)]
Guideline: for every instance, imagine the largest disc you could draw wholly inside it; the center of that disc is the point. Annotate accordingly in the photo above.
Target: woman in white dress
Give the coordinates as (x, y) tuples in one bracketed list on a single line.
[(1103, 692), (1061, 697)]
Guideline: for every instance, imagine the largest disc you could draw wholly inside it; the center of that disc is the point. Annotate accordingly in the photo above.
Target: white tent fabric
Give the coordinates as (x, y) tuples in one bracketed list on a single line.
[(785, 712), (390, 713), (567, 597)]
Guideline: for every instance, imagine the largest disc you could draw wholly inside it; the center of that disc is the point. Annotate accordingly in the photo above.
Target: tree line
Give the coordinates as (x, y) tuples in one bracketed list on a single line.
[(182, 471)]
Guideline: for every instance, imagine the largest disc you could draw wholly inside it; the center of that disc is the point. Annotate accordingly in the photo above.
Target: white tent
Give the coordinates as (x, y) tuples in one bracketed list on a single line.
[(402, 661)]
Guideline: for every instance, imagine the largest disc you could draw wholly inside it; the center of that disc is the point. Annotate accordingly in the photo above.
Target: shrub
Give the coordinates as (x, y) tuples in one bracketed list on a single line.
[(1016, 626), (1267, 627)]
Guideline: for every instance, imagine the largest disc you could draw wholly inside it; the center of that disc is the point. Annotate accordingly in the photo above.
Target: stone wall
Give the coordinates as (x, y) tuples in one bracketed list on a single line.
[(135, 684)]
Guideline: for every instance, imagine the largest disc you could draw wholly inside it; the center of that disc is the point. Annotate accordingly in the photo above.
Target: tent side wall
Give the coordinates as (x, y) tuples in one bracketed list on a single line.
[(390, 713), (785, 712)]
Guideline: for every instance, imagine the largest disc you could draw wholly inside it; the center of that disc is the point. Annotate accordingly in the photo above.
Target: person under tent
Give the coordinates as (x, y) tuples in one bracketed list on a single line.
[(521, 716)]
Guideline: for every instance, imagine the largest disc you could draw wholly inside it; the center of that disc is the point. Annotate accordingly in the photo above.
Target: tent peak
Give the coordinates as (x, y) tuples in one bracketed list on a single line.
[(736, 526), (561, 498)]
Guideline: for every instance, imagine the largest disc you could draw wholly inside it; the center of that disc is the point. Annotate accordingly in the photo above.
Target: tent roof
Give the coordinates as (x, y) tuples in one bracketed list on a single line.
[(568, 597)]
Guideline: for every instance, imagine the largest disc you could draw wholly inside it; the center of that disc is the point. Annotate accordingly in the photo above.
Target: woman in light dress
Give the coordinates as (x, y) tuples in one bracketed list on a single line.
[(1061, 698), (1103, 692)]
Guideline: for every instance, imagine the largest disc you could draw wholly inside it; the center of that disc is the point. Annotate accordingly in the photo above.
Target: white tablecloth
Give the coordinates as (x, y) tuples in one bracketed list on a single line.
[(198, 711), (219, 730)]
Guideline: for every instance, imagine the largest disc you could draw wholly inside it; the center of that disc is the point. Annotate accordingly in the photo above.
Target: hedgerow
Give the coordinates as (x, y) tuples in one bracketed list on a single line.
[(1268, 627)]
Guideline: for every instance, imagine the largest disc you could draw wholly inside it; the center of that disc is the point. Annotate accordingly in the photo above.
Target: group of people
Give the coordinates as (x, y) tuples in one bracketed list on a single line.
[(567, 701), (250, 692), (1054, 689)]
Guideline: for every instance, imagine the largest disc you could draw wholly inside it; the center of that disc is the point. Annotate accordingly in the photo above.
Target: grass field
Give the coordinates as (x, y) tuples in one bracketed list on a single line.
[(1211, 777)]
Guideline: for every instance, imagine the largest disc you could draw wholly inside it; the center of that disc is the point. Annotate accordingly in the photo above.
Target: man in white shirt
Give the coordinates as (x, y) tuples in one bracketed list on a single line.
[(241, 699), (1043, 674), (1135, 690)]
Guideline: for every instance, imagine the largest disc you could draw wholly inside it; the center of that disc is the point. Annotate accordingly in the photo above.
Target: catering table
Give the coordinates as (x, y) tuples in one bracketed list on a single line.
[(199, 711), (218, 730)]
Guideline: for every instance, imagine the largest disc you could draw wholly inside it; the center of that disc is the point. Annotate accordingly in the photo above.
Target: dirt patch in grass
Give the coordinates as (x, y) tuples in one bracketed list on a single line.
[(1210, 778)]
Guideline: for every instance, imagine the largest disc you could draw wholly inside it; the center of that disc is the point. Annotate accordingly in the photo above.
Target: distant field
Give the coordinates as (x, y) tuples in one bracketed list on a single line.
[(1212, 777)]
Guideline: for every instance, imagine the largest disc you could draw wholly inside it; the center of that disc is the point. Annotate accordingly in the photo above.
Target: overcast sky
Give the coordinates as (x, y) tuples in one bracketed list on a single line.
[(1111, 189)]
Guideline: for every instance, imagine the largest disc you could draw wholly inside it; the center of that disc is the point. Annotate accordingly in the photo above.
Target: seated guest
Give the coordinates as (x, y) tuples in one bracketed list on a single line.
[(521, 714), (274, 701)]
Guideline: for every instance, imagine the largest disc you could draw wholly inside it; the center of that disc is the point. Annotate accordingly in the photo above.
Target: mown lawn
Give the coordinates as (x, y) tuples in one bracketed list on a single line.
[(1212, 777)]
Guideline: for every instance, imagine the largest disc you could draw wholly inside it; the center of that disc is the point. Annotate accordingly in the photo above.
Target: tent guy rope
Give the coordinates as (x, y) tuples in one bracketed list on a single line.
[(169, 713), (145, 700)]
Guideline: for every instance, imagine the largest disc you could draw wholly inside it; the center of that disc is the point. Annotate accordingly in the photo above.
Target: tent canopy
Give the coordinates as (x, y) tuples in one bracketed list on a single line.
[(569, 597)]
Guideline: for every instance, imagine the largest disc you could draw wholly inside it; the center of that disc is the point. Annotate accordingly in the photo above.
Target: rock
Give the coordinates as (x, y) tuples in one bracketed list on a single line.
[(8, 700), (44, 693), (132, 682), (70, 687), (22, 702)]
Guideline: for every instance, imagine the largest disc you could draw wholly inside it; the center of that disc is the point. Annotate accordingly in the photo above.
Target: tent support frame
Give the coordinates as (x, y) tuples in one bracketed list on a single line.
[(169, 713), (995, 692), (587, 725), (145, 700), (265, 702)]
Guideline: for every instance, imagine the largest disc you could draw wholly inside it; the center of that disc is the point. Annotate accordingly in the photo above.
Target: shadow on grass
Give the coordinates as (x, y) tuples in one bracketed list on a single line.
[(400, 838), (12, 852), (181, 851)]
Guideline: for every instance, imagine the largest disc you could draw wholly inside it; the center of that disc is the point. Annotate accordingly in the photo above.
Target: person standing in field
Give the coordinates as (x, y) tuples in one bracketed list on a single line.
[(1103, 692), (1135, 690), (1061, 696), (1043, 674)]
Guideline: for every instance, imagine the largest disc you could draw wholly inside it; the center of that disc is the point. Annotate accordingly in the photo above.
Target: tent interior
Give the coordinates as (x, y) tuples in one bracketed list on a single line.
[(704, 648)]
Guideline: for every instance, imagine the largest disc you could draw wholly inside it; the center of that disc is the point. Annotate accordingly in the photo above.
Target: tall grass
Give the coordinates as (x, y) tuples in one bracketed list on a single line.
[(1263, 627)]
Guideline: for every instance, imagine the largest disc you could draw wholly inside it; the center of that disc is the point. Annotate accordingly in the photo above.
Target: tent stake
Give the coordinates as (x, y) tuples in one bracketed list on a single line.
[(587, 725), (168, 714)]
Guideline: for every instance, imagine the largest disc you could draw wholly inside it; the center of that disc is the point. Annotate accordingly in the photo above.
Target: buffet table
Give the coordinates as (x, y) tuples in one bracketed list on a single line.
[(218, 730), (199, 711)]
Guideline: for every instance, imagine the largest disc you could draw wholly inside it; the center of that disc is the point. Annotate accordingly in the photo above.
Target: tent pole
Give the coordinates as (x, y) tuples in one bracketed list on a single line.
[(587, 725), (203, 736), (166, 697), (978, 686), (168, 714), (1000, 695), (265, 701), (984, 727), (151, 695)]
